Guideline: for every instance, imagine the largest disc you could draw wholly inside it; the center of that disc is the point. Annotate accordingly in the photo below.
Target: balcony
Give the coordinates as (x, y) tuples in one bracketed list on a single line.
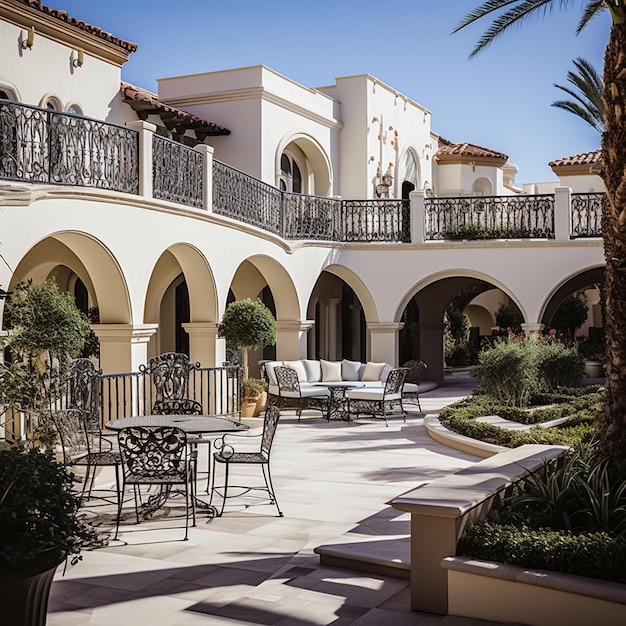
[(47, 147)]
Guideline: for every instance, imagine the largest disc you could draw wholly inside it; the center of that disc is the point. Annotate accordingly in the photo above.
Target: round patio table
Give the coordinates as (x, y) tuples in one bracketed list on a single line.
[(191, 424)]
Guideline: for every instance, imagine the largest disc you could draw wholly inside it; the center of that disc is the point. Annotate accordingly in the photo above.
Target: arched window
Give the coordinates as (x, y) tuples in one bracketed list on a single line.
[(4, 95), (482, 187), (290, 178), (74, 109)]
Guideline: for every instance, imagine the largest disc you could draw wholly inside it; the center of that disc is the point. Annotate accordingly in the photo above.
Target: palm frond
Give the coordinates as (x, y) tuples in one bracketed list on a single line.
[(593, 9)]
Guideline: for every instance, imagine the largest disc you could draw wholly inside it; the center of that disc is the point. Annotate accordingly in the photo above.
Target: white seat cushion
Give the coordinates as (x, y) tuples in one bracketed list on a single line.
[(370, 393), (410, 388), (307, 390)]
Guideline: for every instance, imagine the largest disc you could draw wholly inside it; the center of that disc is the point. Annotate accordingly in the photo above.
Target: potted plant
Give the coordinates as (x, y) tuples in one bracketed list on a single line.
[(40, 526), (253, 396), (39, 521), (593, 353), (248, 325)]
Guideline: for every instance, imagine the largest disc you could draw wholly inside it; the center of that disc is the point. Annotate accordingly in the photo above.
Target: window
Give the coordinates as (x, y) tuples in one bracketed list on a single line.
[(74, 109), (290, 178), (4, 95)]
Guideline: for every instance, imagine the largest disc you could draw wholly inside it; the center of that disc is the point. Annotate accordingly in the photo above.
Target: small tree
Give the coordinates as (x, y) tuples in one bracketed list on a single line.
[(571, 315), (247, 325), (46, 330)]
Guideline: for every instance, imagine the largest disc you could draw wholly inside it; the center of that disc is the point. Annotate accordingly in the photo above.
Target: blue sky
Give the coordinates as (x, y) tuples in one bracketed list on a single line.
[(500, 99)]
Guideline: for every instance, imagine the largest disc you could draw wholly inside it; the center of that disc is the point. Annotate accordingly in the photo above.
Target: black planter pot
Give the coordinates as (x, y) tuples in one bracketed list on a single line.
[(24, 593)]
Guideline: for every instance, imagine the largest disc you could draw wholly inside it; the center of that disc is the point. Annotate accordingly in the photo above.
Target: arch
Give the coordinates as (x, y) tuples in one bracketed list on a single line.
[(317, 174), (277, 279), (51, 101), (91, 261), (482, 187), (572, 283), (74, 108), (411, 170), (359, 288), (180, 264), (10, 90)]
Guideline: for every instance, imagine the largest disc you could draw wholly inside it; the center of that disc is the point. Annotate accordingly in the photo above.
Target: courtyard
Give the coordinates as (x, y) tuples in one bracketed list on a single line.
[(334, 481)]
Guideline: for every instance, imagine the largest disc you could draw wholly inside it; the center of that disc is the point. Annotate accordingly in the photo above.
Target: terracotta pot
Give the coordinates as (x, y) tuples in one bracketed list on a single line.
[(24, 593), (248, 407), (261, 403)]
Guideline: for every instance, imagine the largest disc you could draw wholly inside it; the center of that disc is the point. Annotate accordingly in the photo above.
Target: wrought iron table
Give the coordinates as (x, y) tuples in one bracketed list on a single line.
[(337, 398)]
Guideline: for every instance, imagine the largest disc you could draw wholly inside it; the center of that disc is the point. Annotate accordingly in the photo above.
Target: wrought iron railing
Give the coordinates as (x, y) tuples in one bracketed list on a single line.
[(492, 217), (217, 389), (44, 146), (587, 211), (247, 199), (299, 216), (177, 172)]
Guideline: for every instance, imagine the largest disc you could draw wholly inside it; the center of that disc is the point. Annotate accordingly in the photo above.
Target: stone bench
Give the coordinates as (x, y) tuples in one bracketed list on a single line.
[(441, 509)]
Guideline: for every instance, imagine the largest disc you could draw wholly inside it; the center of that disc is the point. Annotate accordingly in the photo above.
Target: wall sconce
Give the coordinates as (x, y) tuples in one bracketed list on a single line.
[(27, 42), (78, 59), (473, 164)]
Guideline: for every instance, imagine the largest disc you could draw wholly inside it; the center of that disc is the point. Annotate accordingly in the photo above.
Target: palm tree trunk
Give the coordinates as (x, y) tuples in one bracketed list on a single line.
[(613, 438)]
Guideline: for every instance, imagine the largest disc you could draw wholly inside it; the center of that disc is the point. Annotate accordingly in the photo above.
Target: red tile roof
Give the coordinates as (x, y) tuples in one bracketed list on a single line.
[(72, 21), (145, 103), (447, 148), (586, 158)]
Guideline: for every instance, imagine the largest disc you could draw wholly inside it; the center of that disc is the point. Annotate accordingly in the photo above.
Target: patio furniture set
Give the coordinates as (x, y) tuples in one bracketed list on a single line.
[(158, 451), (342, 389)]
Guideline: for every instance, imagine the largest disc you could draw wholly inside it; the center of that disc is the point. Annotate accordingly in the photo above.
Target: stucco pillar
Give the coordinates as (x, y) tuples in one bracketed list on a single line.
[(417, 216), (384, 341), (207, 180), (123, 347), (146, 131), (332, 328), (204, 346), (562, 213), (291, 339)]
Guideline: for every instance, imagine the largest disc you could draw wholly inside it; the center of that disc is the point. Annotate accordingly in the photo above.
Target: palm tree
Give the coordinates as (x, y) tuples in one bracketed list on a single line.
[(587, 95), (510, 13)]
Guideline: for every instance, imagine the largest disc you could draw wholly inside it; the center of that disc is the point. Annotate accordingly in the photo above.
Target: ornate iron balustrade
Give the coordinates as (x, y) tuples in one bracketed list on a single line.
[(44, 146), (311, 217), (375, 220), (177, 172), (587, 211), (492, 217), (247, 199)]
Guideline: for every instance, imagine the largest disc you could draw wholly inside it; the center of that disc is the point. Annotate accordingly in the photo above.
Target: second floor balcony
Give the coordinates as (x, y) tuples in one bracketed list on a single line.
[(42, 146)]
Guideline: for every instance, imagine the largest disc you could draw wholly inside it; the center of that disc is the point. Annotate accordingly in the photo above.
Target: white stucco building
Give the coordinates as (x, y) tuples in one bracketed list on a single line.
[(341, 206)]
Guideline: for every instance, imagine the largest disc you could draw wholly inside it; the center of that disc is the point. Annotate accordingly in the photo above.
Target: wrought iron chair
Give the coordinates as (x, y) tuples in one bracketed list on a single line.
[(292, 396), (84, 446), (169, 373), (410, 389), (156, 457), (378, 401), (227, 456), (84, 390)]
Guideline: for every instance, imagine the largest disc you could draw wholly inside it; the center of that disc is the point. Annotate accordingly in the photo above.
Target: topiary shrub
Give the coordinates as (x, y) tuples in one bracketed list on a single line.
[(557, 365)]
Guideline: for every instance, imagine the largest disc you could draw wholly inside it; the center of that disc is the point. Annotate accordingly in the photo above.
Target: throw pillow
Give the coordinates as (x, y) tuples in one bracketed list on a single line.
[(350, 370), (313, 370), (372, 371), (299, 367), (331, 371)]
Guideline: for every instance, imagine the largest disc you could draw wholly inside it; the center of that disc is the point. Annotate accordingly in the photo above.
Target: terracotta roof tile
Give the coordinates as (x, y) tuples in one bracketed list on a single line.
[(145, 103), (586, 158), (467, 149), (72, 21)]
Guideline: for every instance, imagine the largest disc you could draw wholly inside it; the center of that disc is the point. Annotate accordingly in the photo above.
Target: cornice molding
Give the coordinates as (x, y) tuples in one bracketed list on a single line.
[(45, 25)]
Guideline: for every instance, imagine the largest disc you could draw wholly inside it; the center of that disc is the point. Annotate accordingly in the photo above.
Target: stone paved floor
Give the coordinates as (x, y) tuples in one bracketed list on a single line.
[(333, 480)]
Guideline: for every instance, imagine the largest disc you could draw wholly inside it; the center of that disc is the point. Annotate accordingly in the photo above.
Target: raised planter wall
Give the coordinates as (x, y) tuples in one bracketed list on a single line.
[(508, 593)]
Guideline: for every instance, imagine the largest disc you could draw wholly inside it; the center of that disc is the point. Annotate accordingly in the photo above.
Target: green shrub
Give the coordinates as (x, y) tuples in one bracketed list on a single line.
[(557, 365), (504, 371), (596, 555)]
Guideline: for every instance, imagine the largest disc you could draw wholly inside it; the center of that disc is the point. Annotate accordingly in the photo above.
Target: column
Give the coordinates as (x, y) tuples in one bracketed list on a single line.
[(207, 179), (204, 345), (532, 330), (562, 213), (417, 216), (291, 339), (146, 131), (123, 347), (383, 341)]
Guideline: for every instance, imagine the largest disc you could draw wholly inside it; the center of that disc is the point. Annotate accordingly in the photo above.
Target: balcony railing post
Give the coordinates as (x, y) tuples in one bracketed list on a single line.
[(417, 216), (145, 130), (207, 182), (562, 213)]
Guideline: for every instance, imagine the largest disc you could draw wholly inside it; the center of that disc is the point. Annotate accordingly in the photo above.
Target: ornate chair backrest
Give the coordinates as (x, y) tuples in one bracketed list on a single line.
[(169, 373), (154, 454), (415, 367), (395, 380), (269, 429), (85, 390), (287, 379), (177, 407), (71, 424)]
